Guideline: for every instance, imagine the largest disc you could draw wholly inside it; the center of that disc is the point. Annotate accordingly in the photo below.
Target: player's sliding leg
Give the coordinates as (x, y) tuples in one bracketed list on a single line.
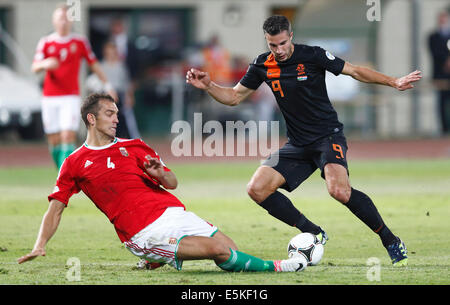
[(199, 247), (262, 188), (240, 261), (219, 236), (225, 240), (363, 207)]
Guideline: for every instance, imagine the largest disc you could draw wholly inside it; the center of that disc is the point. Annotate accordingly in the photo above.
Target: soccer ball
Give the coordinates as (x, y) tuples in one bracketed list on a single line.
[(307, 245)]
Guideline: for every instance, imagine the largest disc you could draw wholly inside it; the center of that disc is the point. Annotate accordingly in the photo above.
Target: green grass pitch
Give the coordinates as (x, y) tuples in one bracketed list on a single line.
[(413, 196)]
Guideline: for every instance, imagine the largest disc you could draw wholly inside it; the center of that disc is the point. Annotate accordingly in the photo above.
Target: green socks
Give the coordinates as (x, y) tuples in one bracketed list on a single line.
[(240, 261), (60, 152), (54, 151)]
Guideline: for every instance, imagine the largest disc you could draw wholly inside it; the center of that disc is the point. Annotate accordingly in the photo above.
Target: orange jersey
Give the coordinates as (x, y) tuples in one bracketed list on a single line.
[(69, 51)]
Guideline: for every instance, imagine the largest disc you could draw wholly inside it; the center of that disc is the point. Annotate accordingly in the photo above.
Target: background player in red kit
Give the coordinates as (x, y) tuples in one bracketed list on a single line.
[(296, 74), (128, 182), (59, 55)]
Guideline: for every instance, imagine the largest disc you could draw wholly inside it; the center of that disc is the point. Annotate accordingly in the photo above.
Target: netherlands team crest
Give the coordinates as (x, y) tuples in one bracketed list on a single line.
[(301, 74), (123, 151)]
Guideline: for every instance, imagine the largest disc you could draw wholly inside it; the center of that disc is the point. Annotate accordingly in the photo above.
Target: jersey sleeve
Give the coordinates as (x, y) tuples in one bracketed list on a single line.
[(87, 52), (251, 79), (65, 184), (328, 61)]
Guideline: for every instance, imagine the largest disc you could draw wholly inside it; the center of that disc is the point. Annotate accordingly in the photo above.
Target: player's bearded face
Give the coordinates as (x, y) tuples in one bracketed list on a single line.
[(280, 45)]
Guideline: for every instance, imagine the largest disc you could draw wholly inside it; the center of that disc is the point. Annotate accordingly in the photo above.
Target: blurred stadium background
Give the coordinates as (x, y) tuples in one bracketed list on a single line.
[(167, 37)]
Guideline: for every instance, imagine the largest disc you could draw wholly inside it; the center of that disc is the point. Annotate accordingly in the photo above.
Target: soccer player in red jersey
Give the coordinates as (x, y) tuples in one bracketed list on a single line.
[(59, 55), (128, 182), (296, 75)]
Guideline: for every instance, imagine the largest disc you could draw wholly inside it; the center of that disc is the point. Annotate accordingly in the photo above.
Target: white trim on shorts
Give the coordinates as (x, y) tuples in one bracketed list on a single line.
[(159, 241)]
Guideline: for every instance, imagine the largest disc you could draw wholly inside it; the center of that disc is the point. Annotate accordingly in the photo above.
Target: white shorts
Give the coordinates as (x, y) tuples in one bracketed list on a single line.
[(158, 242), (61, 113)]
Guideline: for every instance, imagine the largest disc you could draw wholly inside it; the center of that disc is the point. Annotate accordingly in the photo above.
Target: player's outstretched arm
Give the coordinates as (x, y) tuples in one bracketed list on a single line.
[(48, 228), (368, 75), (230, 96)]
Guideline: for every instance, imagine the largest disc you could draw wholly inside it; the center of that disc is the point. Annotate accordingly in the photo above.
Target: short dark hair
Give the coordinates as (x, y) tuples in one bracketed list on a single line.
[(91, 105), (276, 24)]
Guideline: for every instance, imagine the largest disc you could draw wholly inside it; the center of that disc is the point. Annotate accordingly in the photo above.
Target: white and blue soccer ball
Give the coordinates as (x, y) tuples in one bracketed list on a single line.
[(306, 245)]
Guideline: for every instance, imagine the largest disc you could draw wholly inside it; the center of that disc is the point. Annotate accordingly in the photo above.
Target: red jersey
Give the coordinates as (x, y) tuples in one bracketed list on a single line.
[(69, 50), (113, 177)]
